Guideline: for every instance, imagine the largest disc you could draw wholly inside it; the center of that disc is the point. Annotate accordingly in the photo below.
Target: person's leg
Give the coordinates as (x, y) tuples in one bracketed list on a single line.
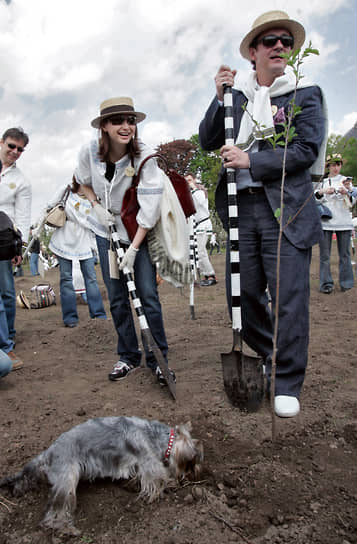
[(145, 282), (67, 292), (94, 298), (120, 309), (8, 294), (5, 364), (6, 344), (345, 265), (205, 265), (326, 281), (34, 264)]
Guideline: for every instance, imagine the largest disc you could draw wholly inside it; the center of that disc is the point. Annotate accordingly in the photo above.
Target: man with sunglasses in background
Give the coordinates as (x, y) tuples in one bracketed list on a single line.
[(259, 106), (15, 201)]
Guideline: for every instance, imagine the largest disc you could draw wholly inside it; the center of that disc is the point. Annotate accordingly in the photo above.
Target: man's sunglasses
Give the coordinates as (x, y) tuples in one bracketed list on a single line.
[(120, 119), (272, 39), (19, 148)]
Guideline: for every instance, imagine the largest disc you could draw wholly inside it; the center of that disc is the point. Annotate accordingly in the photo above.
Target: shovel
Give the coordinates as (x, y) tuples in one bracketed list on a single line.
[(242, 374), (144, 327)]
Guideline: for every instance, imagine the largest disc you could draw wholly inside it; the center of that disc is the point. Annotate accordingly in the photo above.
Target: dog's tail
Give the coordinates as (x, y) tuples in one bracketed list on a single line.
[(23, 481)]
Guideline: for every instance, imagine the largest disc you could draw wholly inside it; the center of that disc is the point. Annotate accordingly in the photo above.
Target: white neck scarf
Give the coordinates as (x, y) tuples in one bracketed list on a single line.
[(257, 122)]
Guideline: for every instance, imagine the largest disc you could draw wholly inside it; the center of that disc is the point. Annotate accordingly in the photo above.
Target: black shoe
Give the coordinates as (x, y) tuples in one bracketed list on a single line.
[(210, 280), (161, 378), (120, 371), (327, 290)]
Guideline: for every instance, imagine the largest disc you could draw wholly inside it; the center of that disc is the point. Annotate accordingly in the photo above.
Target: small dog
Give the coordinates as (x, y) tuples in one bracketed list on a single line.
[(116, 447)]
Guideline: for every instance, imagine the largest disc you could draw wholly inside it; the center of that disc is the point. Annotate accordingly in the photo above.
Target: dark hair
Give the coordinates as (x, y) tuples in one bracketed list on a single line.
[(75, 185), (190, 174), (104, 145), (17, 133)]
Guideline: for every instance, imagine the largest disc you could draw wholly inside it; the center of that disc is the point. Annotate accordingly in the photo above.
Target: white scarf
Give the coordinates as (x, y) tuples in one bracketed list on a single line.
[(168, 241), (257, 122)]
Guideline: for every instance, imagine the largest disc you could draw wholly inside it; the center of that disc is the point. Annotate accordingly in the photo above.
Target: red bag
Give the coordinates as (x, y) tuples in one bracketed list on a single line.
[(130, 205)]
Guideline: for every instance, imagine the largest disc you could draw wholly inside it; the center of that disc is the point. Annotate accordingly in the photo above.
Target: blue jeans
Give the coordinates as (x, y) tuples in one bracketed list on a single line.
[(5, 364), (6, 344), (345, 266), (146, 288), (68, 294), (258, 239), (8, 294), (34, 264)]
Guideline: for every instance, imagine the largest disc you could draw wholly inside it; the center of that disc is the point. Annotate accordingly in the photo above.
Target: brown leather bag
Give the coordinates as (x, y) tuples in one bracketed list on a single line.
[(130, 205)]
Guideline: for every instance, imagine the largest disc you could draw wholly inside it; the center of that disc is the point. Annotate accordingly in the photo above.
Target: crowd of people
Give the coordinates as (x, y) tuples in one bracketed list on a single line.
[(105, 170)]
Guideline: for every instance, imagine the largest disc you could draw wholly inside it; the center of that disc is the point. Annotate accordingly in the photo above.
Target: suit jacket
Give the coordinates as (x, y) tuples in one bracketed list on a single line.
[(266, 164)]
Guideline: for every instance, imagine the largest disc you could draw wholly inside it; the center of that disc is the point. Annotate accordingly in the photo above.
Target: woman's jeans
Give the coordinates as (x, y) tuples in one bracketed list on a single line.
[(34, 264), (345, 266), (146, 289), (8, 295), (68, 294), (6, 344)]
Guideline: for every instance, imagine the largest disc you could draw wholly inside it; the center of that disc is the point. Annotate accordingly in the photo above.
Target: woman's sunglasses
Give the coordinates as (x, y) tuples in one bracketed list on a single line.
[(120, 119), (19, 148), (272, 39)]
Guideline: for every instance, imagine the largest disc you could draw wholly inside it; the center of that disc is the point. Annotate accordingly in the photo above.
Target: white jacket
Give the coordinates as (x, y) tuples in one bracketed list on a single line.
[(15, 198), (340, 205)]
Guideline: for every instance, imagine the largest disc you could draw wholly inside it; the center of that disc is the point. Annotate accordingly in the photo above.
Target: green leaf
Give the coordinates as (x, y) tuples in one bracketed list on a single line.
[(277, 213)]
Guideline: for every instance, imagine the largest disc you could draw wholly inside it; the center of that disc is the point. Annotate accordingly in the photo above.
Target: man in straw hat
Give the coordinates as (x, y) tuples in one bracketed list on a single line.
[(259, 105)]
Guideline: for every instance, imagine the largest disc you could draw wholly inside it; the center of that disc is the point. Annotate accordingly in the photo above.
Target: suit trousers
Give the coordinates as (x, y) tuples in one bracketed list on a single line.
[(258, 243)]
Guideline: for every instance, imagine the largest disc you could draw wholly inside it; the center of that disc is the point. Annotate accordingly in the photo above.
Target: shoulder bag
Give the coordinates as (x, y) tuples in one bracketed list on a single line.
[(130, 205), (56, 216)]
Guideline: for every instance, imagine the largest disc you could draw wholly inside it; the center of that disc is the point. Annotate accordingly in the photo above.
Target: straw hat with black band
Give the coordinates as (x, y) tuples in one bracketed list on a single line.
[(273, 19), (117, 106)]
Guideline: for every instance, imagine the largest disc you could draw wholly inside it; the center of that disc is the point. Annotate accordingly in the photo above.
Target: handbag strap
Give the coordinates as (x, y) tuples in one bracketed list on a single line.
[(136, 178), (65, 196)]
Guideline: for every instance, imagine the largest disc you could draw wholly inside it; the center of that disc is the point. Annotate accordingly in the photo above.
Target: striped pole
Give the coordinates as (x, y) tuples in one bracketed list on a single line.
[(144, 327), (193, 267), (233, 219)]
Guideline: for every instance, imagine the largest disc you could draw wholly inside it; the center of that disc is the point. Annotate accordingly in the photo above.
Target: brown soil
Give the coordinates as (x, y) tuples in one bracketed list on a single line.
[(302, 489)]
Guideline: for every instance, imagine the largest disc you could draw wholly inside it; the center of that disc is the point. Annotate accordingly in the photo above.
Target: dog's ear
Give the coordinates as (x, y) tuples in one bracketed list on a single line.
[(188, 426)]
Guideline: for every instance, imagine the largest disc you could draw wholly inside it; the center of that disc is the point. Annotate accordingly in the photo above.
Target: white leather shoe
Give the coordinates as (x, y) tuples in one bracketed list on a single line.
[(286, 406)]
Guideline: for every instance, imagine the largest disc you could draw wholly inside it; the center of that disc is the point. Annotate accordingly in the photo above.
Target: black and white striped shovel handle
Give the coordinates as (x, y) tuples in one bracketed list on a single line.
[(233, 220), (128, 278)]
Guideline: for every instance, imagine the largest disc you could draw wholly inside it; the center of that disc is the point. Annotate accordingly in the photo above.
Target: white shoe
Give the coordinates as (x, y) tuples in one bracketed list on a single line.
[(286, 406)]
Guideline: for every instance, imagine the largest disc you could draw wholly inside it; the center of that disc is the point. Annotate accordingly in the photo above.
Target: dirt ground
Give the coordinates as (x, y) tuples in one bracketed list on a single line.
[(301, 489)]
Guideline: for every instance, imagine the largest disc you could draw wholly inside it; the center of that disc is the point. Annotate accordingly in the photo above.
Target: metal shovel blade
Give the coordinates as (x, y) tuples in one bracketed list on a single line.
[(243, 379)]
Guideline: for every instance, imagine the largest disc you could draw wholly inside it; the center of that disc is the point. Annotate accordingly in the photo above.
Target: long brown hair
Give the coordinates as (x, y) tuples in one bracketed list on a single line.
[(133, 148)]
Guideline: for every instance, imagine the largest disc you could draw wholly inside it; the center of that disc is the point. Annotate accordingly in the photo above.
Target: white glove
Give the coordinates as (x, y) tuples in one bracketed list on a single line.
[(129, 258), (104, 216)]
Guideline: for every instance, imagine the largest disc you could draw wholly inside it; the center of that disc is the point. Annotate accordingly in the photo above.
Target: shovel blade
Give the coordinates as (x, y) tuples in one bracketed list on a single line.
[(243, 380)]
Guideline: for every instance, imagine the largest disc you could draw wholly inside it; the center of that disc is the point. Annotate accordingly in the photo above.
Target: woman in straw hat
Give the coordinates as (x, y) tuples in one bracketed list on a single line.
[(261, 104), (106, 166), (339, 199)]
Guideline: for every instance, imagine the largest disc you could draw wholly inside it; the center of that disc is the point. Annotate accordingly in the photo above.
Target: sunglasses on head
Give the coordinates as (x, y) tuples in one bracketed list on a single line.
[(120, 119), (19, 148), (272, 39)]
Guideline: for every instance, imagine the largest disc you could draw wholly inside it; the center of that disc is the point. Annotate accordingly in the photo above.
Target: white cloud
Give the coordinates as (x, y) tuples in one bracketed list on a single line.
[(346, 123)]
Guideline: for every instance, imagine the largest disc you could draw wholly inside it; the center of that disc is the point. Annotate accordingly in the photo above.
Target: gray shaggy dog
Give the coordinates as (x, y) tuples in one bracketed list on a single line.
[(115, 447)]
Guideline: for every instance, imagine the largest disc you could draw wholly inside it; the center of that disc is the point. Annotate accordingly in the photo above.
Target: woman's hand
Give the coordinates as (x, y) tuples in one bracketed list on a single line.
[(225, 76), (233, 157), (129, 258), (104, 216)]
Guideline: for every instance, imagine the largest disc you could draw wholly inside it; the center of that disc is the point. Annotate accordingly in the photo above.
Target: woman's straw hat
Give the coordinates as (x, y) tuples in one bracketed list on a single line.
[(115, 106), (273, 19)]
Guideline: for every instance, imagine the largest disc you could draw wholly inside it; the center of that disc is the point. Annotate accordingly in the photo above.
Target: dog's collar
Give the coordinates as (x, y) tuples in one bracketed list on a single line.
[(169, 446)]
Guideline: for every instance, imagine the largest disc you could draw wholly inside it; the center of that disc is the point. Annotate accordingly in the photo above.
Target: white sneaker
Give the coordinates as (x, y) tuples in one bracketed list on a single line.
[(286, 406)]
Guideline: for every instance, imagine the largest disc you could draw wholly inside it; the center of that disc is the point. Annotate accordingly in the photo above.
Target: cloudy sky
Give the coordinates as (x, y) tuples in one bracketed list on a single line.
[(61, 59)]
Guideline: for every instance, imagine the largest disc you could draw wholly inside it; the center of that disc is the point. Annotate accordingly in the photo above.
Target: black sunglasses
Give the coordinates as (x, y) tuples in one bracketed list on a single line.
[(120, 119), (272, 39), (19, 148)]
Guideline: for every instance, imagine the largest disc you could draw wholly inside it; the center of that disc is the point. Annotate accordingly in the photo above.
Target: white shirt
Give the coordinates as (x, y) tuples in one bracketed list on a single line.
[(15, 198), (202, 215), (74, 240), (91, 171), (339, 205)]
